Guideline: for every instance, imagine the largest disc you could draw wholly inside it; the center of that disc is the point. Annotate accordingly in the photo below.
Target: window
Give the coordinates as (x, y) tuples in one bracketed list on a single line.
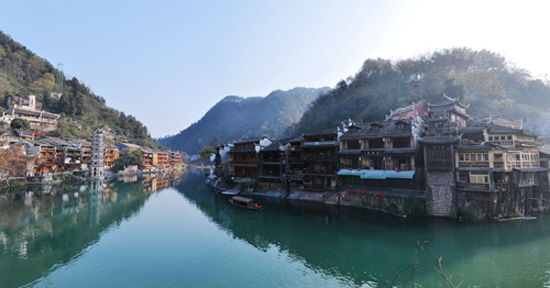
[(479, 178)]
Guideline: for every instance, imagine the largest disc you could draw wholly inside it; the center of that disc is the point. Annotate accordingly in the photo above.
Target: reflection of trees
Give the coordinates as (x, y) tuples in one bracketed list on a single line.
[(361, 246), (56, 229)]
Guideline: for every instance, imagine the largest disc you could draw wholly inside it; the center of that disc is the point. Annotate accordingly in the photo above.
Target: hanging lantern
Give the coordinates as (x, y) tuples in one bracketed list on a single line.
[(358, 192), (382, 195), (375, 194)]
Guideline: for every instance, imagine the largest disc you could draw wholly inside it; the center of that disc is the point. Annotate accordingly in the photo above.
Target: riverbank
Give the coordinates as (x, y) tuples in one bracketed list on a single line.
[(406, 203), (16, 183)]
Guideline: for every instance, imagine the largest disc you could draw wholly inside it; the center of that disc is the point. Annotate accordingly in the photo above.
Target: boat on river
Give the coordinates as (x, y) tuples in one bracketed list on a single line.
[(245, 203)]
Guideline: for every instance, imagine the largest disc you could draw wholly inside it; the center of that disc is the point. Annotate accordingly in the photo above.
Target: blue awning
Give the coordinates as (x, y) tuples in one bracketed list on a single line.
[(374, 174), (377, 174), (400, 174), (353, 172)]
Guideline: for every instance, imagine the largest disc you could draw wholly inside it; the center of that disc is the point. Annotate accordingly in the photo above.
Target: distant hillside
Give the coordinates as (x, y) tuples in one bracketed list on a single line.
[(24, 73), (236, 117), (483, 79)]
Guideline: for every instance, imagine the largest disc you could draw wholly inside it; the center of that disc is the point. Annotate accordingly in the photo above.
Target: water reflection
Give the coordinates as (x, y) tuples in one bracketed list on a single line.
[(44, 228), (364, 248)]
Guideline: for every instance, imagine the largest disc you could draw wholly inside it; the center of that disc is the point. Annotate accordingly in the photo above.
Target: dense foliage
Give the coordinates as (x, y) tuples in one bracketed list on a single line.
[(205, 153), (481, 78), (24, 73), (135, 157), (235, 117)]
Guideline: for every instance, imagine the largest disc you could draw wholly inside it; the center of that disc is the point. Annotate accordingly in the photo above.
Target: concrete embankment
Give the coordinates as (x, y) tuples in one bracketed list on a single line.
[(395, 202)]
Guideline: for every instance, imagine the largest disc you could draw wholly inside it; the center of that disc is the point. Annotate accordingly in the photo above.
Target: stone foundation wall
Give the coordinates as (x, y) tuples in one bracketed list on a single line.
[(440, 194), (394, 202), (473, 204)]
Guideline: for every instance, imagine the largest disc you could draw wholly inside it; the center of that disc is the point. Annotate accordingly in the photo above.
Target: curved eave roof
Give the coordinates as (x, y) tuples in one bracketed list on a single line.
[(435, 140)]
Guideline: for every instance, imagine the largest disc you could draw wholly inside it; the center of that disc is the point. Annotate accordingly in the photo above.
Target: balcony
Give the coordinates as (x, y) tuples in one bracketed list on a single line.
[(321, 158), (473, 164)]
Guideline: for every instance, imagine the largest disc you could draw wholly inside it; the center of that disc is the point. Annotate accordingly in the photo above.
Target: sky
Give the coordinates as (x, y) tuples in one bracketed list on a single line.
[(168, 62)]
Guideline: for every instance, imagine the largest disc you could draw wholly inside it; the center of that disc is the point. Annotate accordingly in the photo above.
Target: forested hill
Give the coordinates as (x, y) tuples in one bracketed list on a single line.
[(236, 117), (24, 73), (481, 78)]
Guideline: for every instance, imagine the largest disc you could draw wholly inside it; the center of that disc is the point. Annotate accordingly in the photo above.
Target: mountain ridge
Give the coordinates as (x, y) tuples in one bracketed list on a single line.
[(236, 117)]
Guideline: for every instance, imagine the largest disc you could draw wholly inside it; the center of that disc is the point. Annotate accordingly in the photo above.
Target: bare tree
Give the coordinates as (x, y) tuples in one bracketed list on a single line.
[(12, 164)]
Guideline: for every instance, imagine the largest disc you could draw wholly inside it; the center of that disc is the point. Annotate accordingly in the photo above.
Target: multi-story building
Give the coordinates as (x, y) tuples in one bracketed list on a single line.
[(31, 110), (175, 158), (321, 163), (382, 154), (85, 151), (489, 167), (111, 155), (45, 155), (282, 161), (245, 160), (148, 156), (163, 160), (68, 156)]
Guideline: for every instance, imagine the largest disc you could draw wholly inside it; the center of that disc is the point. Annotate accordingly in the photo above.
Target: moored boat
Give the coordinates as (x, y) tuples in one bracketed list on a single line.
[(245, 203)]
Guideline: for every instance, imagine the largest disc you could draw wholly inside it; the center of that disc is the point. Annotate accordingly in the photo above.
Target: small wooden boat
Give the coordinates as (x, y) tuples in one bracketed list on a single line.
[(245, 203)]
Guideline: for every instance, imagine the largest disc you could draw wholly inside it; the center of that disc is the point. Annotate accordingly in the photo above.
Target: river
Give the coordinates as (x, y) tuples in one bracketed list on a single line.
[(137, 234)]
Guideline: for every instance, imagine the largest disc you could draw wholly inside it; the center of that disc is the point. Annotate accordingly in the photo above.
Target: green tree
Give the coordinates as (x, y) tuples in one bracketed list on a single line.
[(206, 152), (20, 124), (129, 159)]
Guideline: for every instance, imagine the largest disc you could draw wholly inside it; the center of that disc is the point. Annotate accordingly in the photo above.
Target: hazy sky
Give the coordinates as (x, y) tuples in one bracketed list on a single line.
[(168, 62)]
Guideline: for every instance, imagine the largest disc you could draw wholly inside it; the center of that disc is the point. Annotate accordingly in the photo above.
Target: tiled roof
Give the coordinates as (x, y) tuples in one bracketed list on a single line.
[(242, 151), (510, 148), (447, 101), (545, 149), (130, 145), (530, 143), (471, 129), (350, 152), (324, 132), (27, 112), (497, 129), (49, 115), (320, 144), (386, 128), (55, 141), (251, 140), (531, 169), (445, 139), (399, 151), (275, 146), (248, 140)]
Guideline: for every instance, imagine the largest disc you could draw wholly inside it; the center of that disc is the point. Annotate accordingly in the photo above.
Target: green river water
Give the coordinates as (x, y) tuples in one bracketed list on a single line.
[(128, 235)]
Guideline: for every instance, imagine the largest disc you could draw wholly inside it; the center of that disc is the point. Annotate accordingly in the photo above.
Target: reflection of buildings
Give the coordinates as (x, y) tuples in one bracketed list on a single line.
[(95, 198), (58, 225), (152, 183)]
